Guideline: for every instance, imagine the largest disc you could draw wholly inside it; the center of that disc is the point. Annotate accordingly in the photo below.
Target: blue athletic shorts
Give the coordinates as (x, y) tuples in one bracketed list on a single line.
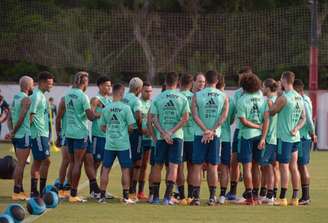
[(22, 143), (76, 144), (135, 142), (248, 151), (62, 141), (98, 147), (285, 150), (187, 151), (146, 145), (206, 153), (235, 141), (152, 156), (168, 153), (124, 158), (40, 148), (268, 154), (226, 153), (304, 149)]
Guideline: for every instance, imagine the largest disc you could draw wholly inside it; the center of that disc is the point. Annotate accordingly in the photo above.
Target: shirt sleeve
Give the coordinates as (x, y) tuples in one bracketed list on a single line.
[(34, 103), (137, 105), (241, 110), (86, 103), (129, 117)]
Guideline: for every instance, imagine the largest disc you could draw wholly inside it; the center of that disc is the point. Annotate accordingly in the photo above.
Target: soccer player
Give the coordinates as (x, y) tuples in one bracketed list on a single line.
[(169, 113), (249, 112), (291, 118), (77, 112), (307, 134), (40, 133), (65, 169), (147, 144), (186, 82), (132, 99), (117, 120), (19, 126), (268, 143), (226, 147), (199, 82), (234, 170), (210, 108), (99, 102)]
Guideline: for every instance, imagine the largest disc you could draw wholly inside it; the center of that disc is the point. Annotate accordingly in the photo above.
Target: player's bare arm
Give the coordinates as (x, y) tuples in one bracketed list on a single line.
[(278, 105)]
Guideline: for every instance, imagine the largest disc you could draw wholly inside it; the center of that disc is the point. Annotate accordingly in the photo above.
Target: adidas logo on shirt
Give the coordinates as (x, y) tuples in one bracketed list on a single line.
[(211, 102)]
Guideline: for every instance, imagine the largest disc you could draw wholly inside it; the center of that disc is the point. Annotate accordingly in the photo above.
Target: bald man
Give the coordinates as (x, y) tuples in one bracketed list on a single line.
[(19, 126)]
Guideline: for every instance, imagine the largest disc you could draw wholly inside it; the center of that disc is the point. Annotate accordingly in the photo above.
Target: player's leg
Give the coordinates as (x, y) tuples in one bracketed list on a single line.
[(77, 156), (277, 177), (160, 158), (108, 160), (150, 176), (198, 158), (125, 160), (303, 161), (98, 146), (284, 155), (22, 151), (267, 174), (295, 175), (174, 159), (64, 171), (234, 169), (136, 149), (256, 172), (213, 158), (225, 169), (245, 157), (142, 175)]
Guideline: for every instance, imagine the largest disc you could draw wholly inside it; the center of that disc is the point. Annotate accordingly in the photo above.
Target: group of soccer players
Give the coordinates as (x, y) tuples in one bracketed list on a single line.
[(189, 122)]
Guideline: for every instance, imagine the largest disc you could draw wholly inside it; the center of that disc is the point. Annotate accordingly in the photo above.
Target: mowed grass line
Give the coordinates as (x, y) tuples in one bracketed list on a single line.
[(114, 211)]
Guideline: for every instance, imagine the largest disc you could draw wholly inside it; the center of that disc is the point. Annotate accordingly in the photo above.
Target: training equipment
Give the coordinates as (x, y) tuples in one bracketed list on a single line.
[(16, 212), (50, 188), (4, 218), (36, 206), (7, 167), (51, 199)]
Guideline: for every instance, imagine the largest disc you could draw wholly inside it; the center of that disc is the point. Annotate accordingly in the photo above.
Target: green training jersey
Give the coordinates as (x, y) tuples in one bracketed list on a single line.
[(226, 127), (309, 125), (39, 107), (250, 107), (271, 137), (210, 103), (238, 93), (117, 116), (170, 106), (16, 108), (96, 128), (134, 102), (144, 108), (188, 129), (289, 116), (76, 103)]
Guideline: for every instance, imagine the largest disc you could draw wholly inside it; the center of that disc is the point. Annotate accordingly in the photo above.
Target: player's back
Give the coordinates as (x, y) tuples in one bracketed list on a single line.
[(16, 108), (289, 116), (76, 104)]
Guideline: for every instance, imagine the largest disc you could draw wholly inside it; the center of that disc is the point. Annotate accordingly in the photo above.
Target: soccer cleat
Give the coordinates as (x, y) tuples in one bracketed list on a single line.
[(102, 200), (62, 194), (133, 197), (247, 201), (167, 201), (35, 194), (76, 199), (94, 195), (262, 198), (293, 202), (174, 200), (141, 196), (231, 197), (128, 201), (281, 202), (184, 202), (211, 202), (257, 200), (304, 202), (221, 200), (19, 197), (150, 198), (189, 200), (195, 202), (268, 201), (155, 201), (109, 196)]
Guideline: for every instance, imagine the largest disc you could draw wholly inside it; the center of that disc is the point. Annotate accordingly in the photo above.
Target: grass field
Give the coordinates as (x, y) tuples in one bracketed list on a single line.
[(142, 212)]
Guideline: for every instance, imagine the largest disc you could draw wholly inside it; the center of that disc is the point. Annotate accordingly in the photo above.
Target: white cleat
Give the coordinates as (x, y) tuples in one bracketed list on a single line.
[(128, 201), (221, 200)]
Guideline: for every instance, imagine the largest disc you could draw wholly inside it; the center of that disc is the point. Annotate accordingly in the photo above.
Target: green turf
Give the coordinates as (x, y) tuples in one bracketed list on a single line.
[(116, 212)]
